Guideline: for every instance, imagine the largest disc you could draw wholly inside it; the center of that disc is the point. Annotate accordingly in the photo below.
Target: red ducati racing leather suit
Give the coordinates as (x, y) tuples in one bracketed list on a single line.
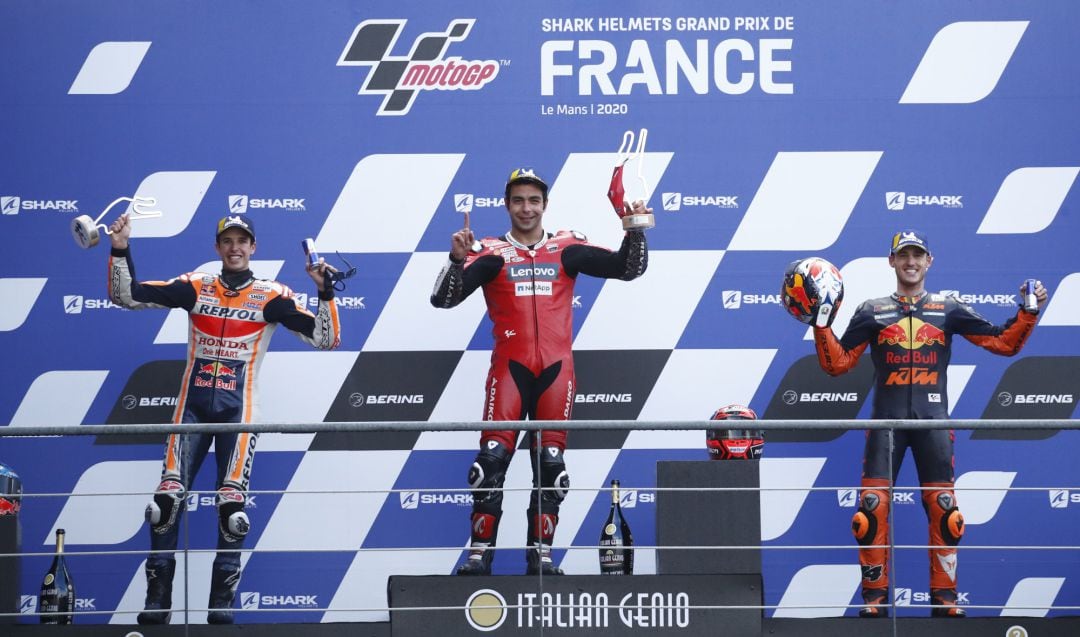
[(231, 319), (910, 342), (529, 291)]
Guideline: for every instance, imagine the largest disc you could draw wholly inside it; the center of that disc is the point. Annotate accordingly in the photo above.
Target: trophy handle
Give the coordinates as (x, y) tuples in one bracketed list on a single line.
[(85, 230), (627, 151)]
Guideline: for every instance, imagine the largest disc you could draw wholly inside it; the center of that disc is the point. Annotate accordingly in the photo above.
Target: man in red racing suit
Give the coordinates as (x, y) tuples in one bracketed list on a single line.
[(231, 319), (910, 338), (528, 280)]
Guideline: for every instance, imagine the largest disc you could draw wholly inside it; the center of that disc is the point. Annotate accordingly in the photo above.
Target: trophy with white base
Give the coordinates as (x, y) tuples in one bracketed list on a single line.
[(85, 230)]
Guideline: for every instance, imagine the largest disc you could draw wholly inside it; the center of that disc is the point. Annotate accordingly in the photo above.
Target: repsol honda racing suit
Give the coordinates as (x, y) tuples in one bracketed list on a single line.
[(910, 340), (231, 319), (529, 292)]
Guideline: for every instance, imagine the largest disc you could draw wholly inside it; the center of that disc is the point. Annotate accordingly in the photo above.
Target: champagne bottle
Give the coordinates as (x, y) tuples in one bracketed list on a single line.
[(616, 554), (57, 590)]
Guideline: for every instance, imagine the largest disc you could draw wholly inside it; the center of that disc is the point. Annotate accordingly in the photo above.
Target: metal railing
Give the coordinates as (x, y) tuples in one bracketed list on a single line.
[(594, 425)]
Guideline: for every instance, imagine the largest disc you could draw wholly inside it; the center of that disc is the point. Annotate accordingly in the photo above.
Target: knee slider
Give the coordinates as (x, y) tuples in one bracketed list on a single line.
[(553, 476), (951, 522), (871, 515), (488, 472), (163, 511), (232, 520)]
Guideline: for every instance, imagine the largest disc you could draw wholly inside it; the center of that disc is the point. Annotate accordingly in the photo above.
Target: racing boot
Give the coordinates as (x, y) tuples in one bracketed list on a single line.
[(538, 561), (539, 538), (478, 562), (158, 606), (485, 530), (876, 600), (944, 600), (223, 583)]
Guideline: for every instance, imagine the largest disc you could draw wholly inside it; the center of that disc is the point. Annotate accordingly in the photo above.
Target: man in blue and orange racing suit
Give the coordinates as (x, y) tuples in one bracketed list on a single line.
[(528, 280), (910, 339), (232, 316)]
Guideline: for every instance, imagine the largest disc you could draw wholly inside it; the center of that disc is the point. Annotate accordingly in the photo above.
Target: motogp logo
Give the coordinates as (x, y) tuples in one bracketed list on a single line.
[(425, 68)]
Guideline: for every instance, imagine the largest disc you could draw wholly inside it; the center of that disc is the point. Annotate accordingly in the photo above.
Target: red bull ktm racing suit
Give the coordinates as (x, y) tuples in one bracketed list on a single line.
[(231, 319), (529, 292), (910, 341)]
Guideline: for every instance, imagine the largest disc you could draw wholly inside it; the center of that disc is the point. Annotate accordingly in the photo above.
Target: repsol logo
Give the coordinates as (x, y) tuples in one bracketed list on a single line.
[(228, 312), (536, 272), (603, 398)]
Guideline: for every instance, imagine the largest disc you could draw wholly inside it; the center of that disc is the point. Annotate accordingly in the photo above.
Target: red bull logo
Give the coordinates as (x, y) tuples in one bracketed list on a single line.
[(921, 333), (927, 334), (216, 369), (9, 507), (894, 334), (800, 304)]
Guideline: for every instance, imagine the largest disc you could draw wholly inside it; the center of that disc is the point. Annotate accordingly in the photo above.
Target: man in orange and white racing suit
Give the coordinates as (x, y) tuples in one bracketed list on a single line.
[(232, 316), (910, 338), (528, 278)]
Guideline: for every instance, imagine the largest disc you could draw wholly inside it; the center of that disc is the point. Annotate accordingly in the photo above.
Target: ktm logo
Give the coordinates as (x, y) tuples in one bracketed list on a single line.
[(425, 68), (912, 376)]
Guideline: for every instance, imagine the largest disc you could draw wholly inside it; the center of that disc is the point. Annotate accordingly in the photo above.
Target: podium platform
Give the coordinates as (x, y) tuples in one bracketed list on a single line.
[(574, 605), (823, 627)]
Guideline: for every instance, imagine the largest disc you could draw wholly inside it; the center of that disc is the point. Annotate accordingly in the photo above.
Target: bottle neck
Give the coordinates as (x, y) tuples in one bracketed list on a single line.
[(59, 541), (615, 492)]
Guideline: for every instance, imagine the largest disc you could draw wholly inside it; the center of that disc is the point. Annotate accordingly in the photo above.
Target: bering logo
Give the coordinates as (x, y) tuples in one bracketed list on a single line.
[(425, 68)]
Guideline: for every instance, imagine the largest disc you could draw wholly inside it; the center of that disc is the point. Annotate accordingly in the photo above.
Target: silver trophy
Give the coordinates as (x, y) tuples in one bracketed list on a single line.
[(85, 230), (617, 193)]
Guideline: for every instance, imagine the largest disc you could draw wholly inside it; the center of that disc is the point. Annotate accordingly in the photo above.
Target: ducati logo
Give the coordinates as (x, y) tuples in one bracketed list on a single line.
[(401, 78)]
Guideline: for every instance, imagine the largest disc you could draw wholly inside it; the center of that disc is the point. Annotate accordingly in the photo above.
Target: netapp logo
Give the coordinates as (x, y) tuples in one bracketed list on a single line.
[(674, 201), (11, 205), (896, 200), (603, 398), (1005, 399), (239, 204), (426, 68), (75, 304), (357, 399), (464, 202), (734, 299), (253, 601)]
